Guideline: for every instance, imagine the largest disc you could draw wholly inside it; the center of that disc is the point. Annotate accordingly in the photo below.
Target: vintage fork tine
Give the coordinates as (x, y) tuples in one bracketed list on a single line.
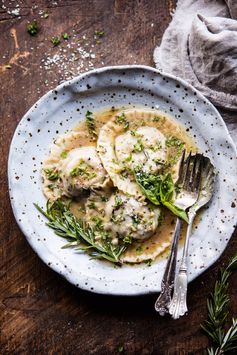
[(208, 173), (181, 169), (197, 180), (207, 168), (194, 173), (187, 172)]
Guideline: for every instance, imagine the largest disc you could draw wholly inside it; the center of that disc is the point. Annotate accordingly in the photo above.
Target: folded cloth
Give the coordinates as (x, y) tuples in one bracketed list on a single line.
[(200, 45), (232, 6)]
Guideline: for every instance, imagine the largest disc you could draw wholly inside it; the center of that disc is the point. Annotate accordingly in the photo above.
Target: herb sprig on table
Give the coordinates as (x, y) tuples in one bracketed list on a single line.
[(78, 233), (33, 28), (225, 340), (159, 190)]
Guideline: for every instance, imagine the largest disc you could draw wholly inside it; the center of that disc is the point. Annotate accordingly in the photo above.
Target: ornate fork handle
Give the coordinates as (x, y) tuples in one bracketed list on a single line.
[(167, 282), (178, 304)]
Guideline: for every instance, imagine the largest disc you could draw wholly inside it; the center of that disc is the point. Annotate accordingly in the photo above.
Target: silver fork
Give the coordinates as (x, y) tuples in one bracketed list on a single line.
[(184, 200), (178, 304)]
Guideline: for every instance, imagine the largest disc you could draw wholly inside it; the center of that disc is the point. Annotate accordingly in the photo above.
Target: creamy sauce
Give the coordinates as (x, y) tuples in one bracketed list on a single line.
[(167, 125), (163, 235)]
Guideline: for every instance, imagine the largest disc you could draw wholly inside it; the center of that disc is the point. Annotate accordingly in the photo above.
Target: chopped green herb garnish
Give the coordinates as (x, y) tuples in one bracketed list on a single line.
[(158, 145), (148, 262), (159, 161), (92, 205), (65, 36), (51, 174), (159, 190), (121, 120), (78, 171), (98, 223), (64, 154), (99, 33), (136, 219), (118, 201), (90, 121), (125, 171), (139, 249), (129, 158), (156, 119), (117, 218), (83, 169), (160, 218), (56, 41), (173, 141), (133, 133), (127, 239), (138, 147), (33, 28), (176, 147), (52, 186)]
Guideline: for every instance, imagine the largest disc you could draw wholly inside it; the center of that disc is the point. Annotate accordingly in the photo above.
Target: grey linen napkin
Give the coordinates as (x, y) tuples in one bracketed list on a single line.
[(200, 46)]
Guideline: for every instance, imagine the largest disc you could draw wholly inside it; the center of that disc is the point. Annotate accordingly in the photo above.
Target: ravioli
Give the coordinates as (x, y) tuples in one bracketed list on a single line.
[(72, 168), (144, 147), (127, 217), (82, 170), (130, 140)]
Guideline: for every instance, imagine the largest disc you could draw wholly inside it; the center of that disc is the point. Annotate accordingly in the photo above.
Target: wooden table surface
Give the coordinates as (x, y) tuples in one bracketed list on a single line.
[(40, 312)]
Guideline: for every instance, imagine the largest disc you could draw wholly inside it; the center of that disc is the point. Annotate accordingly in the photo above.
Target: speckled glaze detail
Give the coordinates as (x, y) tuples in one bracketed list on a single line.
[(61, 109)]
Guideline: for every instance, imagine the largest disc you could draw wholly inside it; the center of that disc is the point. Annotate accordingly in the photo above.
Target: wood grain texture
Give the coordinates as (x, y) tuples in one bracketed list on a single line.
[(40, 312)]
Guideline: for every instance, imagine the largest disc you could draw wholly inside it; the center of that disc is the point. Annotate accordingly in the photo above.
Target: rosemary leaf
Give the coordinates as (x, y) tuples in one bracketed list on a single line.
[(218, 311), (79, 234)]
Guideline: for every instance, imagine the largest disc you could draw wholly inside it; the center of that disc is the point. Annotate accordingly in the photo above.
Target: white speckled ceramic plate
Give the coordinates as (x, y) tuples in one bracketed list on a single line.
[(60, 110)]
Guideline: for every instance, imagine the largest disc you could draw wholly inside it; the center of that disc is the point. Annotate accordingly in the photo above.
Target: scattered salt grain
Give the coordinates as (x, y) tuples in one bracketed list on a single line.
[(15, 12)]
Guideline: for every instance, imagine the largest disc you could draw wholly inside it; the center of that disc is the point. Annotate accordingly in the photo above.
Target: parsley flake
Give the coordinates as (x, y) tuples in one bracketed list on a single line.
[(65, 36), (90, 121), (51, 174), (56, 41), (121, 120), (138, 147), (118, 201), (33, 28), (64, 154), (99, 34)]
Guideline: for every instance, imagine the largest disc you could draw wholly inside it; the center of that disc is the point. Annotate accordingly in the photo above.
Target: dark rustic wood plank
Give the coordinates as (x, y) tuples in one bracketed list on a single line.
[(39, 311)]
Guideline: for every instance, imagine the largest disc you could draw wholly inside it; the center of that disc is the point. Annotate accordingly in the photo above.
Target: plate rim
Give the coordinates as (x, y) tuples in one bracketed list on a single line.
[(45, 257)]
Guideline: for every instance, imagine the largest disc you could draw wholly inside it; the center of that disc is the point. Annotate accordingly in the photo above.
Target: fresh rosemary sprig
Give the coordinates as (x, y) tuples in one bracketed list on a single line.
[(78, 233), (218, 311)]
